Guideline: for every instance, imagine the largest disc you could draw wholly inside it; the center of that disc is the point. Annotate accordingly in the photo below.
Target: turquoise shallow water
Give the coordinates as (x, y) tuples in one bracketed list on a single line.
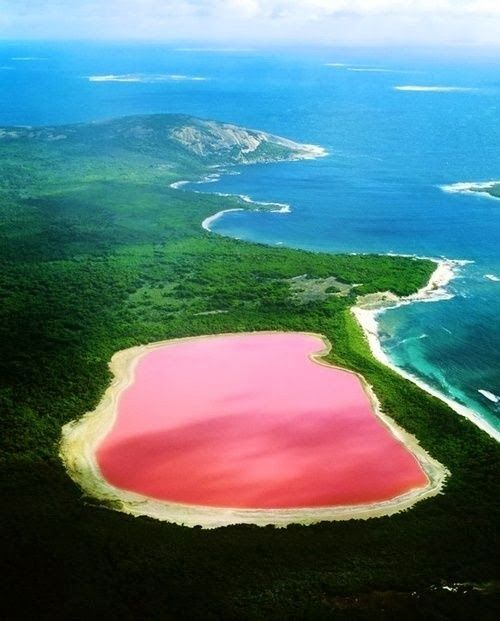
[(377, 191)]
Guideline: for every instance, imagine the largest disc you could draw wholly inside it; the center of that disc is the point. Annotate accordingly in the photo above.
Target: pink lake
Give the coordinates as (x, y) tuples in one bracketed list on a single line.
[(250, 421)]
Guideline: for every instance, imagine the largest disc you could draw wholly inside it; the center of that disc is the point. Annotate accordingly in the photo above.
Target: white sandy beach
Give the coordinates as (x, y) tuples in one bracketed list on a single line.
[(207, 222), (279, 208), (434, 291)]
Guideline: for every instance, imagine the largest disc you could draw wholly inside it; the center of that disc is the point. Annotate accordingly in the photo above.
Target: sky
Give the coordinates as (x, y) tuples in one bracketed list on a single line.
[(327, 22)]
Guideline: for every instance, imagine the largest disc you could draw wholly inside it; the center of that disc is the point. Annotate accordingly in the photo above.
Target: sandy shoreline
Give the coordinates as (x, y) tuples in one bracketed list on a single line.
[(207, 222), (367, 312), (80, 439), (282, 209), (308, 152), (434, 291)]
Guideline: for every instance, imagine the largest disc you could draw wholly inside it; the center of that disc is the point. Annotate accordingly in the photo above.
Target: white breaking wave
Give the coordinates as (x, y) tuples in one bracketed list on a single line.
[(434, 89), (178, 184), (437, 289), (489, 395), (492, 277), (281, 208), (212, 178), (145, 78), (433, 291), (215, 50), (27, 58), (373, 70), (409, 339), (471, 187), (187, 78), (362, 69), (207, 223)]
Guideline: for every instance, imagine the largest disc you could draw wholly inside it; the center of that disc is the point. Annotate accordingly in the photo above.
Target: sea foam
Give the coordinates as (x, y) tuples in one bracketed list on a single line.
[(373, 70), (362, 69), (215, 50), (433, 89), (489, 395), (434, 291), (471, 187), (27, 58), (176, 185), (145, 78), (207, 223)]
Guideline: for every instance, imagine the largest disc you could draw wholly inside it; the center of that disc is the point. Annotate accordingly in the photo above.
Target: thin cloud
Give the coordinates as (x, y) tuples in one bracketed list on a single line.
[(438, 22)]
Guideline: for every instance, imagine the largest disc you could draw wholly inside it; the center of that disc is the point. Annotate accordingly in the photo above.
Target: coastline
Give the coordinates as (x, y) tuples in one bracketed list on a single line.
[(207, 222), (307, 152), (366, 314), (281, 208), (81, 437), (435, 290)]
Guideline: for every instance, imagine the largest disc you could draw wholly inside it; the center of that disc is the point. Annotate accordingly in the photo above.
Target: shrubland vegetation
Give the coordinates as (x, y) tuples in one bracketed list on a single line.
[(98, 254), (494, 190)]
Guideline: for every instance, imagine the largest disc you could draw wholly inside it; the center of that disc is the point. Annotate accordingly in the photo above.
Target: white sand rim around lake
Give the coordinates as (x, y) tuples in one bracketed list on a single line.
[(81, 438)]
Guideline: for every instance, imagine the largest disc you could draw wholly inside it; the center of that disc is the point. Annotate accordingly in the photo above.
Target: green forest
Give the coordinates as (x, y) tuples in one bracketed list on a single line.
[(98, 253)]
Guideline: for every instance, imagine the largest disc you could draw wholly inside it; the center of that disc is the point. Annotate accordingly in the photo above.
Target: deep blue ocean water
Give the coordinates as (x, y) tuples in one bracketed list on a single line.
[(377, 191)]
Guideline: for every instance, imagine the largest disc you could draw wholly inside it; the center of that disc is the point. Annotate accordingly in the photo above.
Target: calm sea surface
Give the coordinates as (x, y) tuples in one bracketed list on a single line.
[(377, 191)]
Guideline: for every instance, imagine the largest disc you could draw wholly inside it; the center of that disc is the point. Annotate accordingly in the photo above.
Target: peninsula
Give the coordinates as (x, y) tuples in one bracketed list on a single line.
[(99, 254)]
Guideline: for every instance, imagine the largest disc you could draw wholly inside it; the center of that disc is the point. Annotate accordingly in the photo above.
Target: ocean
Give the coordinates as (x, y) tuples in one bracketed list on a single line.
[(397, 127)]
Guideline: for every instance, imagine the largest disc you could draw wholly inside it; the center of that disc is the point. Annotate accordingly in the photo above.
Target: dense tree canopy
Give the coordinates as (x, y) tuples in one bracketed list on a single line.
[(98, 253)]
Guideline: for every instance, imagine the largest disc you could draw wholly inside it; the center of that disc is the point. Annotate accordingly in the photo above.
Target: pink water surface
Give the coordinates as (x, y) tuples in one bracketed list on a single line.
[(250, 421)]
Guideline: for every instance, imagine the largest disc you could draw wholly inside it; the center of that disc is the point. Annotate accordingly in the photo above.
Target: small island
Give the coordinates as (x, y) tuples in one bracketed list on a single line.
[(489, 189)]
